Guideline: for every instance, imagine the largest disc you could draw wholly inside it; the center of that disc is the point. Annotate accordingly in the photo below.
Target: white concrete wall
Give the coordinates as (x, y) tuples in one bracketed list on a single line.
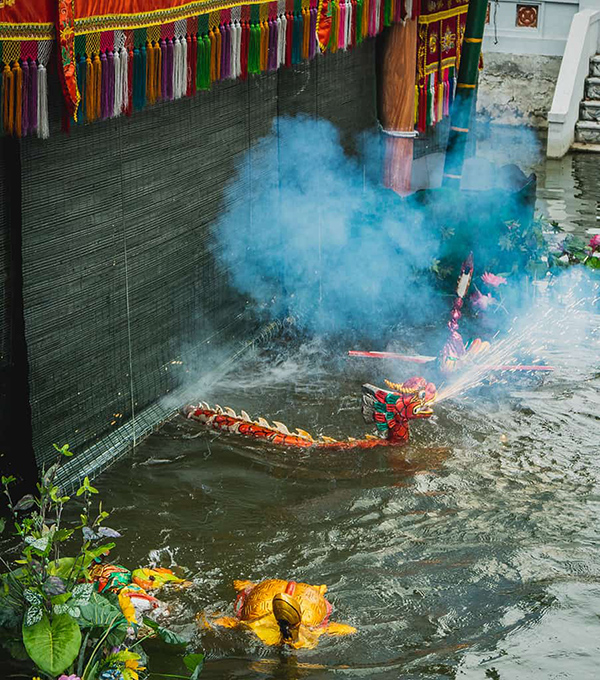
[(547, 39), (521, 64)]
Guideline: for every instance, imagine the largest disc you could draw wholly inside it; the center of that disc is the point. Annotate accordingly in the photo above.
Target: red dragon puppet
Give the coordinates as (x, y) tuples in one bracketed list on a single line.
[(390, 410)]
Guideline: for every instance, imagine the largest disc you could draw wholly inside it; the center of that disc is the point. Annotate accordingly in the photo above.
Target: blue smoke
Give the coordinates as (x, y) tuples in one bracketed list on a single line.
[(319, 240)]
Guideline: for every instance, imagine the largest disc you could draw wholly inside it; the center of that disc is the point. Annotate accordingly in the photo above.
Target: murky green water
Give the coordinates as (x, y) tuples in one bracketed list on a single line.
[(568, 189), (472, 553)]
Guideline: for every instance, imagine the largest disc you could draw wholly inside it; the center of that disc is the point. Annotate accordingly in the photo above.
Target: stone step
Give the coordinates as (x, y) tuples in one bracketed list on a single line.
[(592, 88), (590, 110), (588, 148), (595, 66), (587, 132)]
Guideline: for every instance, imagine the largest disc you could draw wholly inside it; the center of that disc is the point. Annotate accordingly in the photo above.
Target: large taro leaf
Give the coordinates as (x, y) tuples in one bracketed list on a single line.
[(53, 645), (98, 612)]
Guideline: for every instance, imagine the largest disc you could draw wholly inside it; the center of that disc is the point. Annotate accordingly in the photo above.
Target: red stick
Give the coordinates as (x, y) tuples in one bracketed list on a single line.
[(422, 359), (415, 359)]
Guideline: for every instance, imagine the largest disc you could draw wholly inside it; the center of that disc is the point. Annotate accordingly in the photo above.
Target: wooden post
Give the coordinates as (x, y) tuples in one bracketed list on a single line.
[(398, 104), (465, 92)]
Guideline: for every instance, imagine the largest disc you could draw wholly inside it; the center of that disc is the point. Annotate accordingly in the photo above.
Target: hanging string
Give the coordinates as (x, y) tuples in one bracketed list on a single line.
[(25, 98), (150, 74), (43, 129), (281, 26), (97, 82), (18, 88), (7, 99), (124, 78), (129, 96), (191, 69), (104, 110), (164, 61), (177, 72), (244, 49), (33, 97), (170, 68)]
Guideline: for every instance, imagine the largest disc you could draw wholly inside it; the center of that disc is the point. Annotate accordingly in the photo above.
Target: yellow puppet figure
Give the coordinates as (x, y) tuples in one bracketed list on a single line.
[(153, 579), (283, 612)]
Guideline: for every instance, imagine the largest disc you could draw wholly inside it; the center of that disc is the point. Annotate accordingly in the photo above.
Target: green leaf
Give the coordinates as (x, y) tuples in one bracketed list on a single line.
[(593, 263), (61, 599), (63, 534), (39, 544), (82, 592), (14, 646), (63, 566), (33, 615), (50, 473), (9, 618), (99, 612), (165, 634), (63, 449), (25, 503), (70, 609), (53, 646), (8, 480), (92, 553), (194, 663), (2, 524)]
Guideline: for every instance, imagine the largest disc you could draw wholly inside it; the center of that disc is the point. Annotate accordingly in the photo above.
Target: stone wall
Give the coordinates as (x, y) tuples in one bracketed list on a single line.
[(517, 89)]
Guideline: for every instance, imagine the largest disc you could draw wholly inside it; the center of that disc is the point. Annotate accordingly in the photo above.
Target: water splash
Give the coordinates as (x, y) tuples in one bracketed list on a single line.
[(566, 322)]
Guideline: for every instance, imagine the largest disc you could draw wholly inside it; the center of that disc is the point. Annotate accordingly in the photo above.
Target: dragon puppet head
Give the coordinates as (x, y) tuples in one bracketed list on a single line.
[(392, 409)]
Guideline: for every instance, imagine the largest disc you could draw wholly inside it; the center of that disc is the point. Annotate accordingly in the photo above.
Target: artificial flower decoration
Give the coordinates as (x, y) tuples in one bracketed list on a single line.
[(482, 302), (595, 242), (492, 279), (132, 667)]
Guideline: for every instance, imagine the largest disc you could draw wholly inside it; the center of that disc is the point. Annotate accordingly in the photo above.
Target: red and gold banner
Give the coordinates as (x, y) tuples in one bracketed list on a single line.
[(441, 28)]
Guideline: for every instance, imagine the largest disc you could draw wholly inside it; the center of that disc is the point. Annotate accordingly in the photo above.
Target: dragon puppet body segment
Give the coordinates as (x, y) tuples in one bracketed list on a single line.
[(390, 410), (282, 612)]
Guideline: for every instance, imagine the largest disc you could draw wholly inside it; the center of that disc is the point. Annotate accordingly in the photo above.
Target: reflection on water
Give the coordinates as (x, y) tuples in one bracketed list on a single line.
[(568, 188)]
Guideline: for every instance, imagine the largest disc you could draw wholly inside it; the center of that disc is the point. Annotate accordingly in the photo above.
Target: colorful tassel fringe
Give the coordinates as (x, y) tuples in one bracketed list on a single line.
[(433, 102), (24, 98), (122, 71), (146, 69)]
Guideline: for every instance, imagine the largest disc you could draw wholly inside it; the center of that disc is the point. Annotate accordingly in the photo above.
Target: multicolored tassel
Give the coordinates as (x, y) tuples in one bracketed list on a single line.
[(117, 79)]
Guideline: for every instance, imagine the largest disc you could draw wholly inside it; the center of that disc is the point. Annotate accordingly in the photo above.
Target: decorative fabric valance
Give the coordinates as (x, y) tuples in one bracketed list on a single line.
[(441, 26), (118, 56), (26, 39)]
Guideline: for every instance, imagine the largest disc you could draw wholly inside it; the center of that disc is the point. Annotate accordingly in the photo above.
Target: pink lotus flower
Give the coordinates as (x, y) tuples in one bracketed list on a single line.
[(492, 279), (595, 242), (69, 677), (482, 302)]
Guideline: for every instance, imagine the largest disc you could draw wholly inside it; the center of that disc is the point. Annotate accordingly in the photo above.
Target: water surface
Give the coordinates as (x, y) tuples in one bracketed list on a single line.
[(471, 553)]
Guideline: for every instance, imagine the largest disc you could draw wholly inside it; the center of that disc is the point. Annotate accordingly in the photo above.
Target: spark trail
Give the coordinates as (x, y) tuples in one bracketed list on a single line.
[(567, 326)]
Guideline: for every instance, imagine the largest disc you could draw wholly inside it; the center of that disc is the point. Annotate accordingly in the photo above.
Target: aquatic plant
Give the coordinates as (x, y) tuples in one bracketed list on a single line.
[(50, 611), (574, 251)]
